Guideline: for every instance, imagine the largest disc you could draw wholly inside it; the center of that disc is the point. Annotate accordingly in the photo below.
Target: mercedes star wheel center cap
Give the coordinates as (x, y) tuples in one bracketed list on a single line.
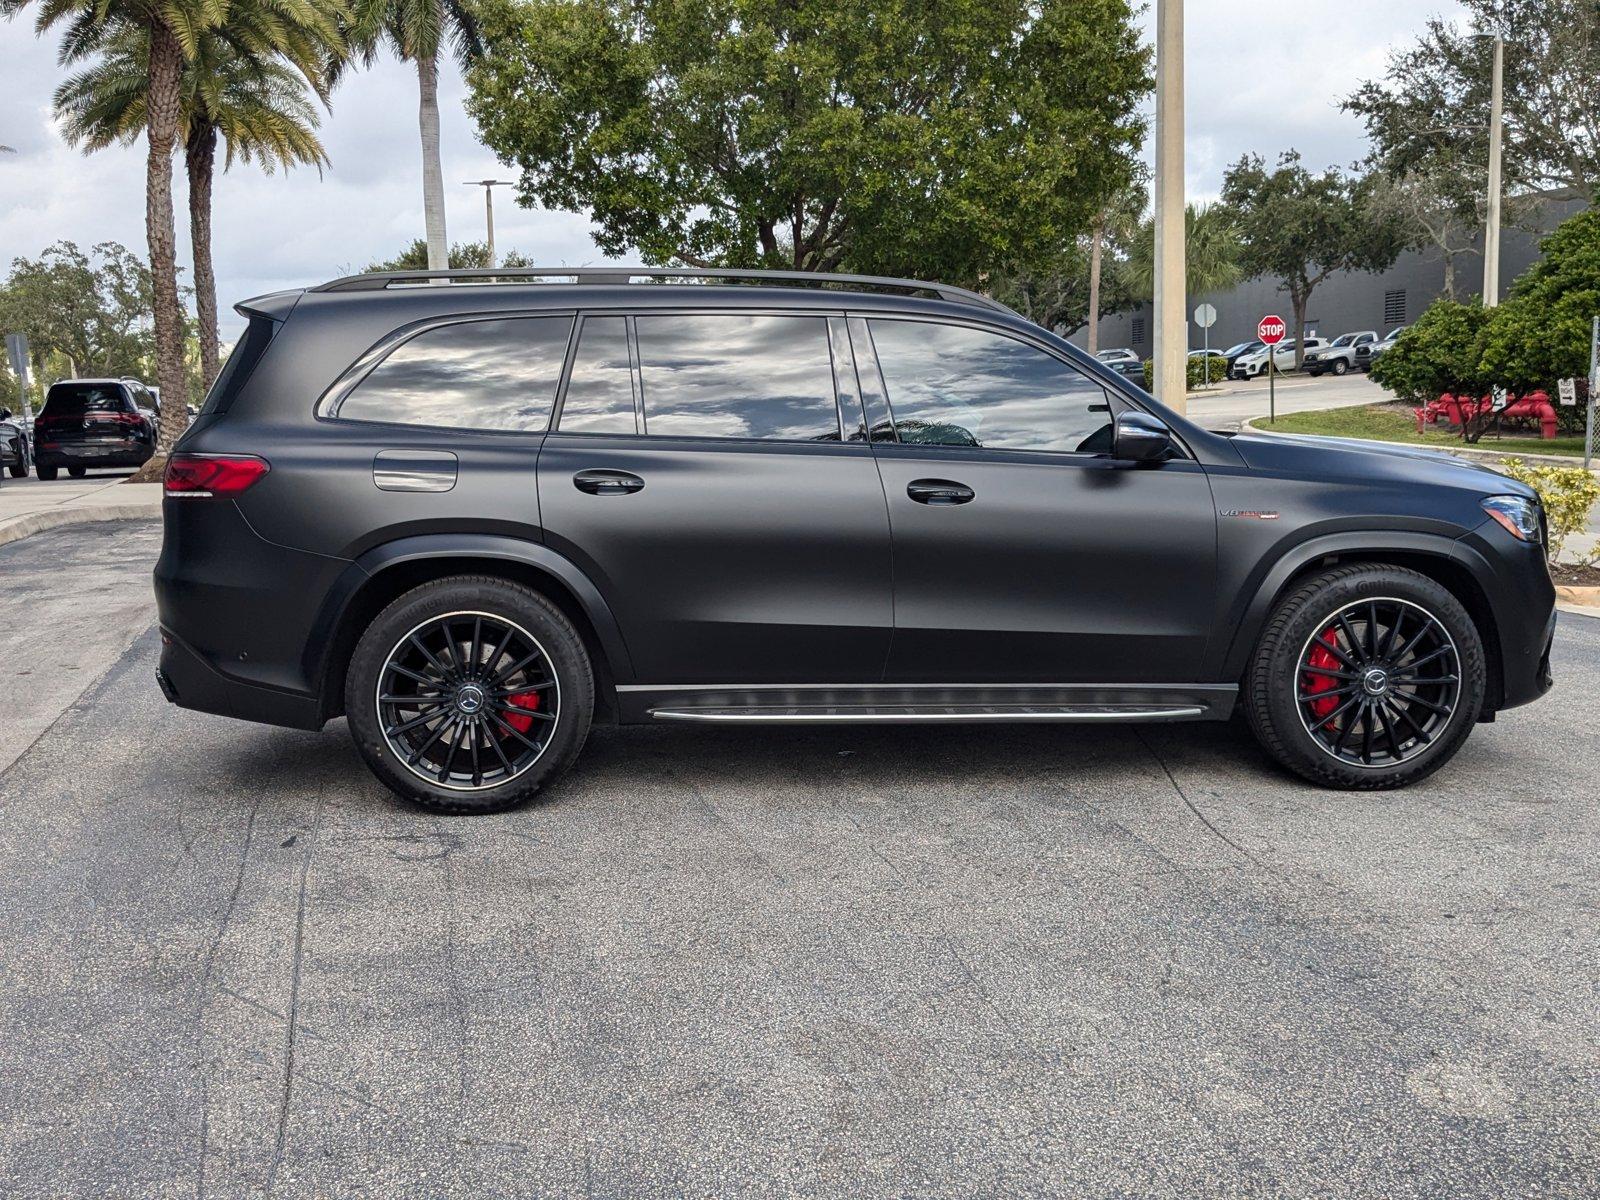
[(469, 699)]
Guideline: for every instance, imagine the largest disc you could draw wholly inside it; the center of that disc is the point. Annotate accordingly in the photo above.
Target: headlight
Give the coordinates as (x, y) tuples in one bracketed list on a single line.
[(1519, 517)]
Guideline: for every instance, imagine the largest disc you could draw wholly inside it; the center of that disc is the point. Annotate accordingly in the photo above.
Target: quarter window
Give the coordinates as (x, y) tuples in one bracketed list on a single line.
[(491, 374), (951, 385), (737, 375), (600, 392)]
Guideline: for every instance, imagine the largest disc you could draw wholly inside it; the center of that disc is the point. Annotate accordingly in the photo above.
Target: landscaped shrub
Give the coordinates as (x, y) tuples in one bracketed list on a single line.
[(1568, 494), (1197, 372)]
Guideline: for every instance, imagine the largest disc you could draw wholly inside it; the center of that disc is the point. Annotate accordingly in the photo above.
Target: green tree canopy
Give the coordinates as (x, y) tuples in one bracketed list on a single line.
[(94, 309), (1429, 114), (1438, 353), (943, 139), (464, 256), (1541, 333), (1301, 228)]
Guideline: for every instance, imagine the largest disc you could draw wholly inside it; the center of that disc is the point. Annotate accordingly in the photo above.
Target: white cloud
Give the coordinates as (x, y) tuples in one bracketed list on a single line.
[(1259, 78)]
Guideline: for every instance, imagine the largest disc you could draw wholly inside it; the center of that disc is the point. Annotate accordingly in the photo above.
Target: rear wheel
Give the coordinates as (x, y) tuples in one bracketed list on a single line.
[(1366, 677), (19, 469), (45, 473), (469, 694)]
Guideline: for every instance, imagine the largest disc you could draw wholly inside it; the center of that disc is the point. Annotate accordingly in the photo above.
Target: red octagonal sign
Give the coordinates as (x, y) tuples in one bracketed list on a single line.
[(1271, 330)]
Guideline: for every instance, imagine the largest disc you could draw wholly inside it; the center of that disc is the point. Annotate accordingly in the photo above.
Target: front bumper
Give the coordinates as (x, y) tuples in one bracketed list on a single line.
[(1522, 602)]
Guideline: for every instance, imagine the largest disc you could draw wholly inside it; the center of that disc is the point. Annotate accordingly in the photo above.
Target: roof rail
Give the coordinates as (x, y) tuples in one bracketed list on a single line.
[(379, 280)]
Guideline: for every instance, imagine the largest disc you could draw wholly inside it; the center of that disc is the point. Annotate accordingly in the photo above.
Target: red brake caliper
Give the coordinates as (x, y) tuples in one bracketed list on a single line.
[(1319, 660), (521, 722)]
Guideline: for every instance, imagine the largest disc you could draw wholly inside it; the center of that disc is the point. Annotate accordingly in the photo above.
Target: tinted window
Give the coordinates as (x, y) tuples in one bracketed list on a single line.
[(497, 374), (737, 375), (75, 399), (600, 393), (950, 385)]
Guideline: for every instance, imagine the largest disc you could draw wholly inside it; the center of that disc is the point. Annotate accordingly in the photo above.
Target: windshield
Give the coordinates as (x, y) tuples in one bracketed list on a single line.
[(1108, 355), (75, 399), (1345, 340)]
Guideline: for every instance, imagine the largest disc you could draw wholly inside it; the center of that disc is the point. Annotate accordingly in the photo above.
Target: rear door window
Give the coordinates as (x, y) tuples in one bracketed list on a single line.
[(953, 385), (599, 395), (737, 375), (490, 374)]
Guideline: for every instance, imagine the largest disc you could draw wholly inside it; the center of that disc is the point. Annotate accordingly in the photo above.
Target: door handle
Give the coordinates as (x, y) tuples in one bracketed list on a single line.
[(939, 491), (607, 483)]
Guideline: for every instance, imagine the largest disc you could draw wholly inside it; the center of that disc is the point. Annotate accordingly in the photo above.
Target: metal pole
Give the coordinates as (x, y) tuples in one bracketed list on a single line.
[(1206, 356), (1594, 393), (1491, 232), (1171, 342), (488, 216), (1272, 385), (488, 186)]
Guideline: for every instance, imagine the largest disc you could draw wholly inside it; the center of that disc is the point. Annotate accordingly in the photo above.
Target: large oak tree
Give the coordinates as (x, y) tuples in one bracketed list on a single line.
[(947, 139)]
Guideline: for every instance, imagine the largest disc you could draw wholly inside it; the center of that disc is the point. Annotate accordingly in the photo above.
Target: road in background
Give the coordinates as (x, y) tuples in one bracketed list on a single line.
[(1237, 402), (1035, 960)]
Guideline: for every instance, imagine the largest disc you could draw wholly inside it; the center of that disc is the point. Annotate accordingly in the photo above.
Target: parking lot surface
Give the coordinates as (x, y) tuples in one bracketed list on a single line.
[(1035, 961)]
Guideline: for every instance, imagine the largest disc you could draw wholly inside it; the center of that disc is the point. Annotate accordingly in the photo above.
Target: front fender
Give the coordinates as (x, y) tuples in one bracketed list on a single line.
[(1255, 601)]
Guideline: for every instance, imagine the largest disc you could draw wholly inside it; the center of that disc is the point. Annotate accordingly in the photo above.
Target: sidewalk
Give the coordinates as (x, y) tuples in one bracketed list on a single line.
[(28, 506)]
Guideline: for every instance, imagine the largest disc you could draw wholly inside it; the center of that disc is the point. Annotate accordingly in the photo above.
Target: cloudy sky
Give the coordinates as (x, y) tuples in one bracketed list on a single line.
[(1249, 89)]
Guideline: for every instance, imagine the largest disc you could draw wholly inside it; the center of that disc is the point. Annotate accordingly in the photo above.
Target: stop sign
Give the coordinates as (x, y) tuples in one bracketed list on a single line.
[(1271, 330)]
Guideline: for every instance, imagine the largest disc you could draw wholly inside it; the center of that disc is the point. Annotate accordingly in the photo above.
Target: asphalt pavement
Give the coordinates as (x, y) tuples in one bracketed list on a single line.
[(1062, 961), (1237, 401)]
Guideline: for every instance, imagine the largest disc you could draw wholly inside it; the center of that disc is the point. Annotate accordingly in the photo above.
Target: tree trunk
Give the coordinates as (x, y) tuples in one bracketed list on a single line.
[(1449, 276), (1300, 304), (161, 132), (200, 151), (432, 169), (1093, 339)]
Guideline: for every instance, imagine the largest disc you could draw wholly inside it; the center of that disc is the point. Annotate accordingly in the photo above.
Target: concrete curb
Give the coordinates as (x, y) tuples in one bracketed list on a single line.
[(37, 522)]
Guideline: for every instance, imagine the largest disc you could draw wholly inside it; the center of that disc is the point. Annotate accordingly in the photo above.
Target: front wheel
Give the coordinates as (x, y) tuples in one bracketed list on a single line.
[(19, 469), (1340, 366), (469, 694), (1366, 677)]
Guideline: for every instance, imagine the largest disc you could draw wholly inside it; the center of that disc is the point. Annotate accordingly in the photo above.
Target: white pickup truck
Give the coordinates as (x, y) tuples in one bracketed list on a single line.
[(1348, 352)]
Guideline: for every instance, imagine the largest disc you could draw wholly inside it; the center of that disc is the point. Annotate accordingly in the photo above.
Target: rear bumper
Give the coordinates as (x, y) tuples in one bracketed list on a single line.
[(237, 615), (187, 680), (70, 454)]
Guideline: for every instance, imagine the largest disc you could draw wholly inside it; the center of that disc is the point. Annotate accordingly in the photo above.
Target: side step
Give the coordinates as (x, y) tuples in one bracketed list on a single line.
[(914, 713)]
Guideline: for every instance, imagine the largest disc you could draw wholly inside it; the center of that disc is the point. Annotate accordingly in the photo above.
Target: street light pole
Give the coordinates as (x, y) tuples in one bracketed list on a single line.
[(1491, 232), (488, 186), (1171, 333)]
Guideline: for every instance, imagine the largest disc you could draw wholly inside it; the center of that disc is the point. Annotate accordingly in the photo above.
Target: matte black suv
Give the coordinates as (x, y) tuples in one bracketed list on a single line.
[(475, 517), (94, 423)]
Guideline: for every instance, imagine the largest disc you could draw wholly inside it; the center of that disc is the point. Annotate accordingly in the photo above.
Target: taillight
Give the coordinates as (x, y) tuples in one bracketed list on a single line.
[(202, 475)]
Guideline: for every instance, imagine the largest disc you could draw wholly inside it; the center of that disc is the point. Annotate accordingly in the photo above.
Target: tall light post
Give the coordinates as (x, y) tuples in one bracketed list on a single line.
[(1491, 232), (1171, 332), (488, 186)]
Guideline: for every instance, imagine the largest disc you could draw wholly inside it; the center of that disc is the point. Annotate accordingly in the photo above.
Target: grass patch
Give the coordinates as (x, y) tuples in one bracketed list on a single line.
[(1396, 423)]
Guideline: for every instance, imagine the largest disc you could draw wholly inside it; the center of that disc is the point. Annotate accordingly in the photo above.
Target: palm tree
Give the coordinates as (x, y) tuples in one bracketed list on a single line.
[(256, 102), (173, 29), (1116, 222), (1212, 249), (416, 30)]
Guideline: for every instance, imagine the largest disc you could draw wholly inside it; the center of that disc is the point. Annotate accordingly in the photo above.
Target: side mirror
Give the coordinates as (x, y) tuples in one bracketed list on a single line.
[(5, 414), (1141, 438)]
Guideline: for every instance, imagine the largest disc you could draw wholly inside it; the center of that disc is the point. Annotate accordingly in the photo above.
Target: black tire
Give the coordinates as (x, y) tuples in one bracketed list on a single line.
[(47, 474), (77, 472), (1272, 687), (499, 600), (1340, 366), (19, 469)]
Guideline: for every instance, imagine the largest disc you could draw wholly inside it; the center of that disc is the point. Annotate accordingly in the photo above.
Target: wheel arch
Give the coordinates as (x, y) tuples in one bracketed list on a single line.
[(1436, 557), (388, 571)]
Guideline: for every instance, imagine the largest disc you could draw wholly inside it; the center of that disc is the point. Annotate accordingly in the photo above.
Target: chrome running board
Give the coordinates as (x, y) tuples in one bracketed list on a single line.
[(910, 713)]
